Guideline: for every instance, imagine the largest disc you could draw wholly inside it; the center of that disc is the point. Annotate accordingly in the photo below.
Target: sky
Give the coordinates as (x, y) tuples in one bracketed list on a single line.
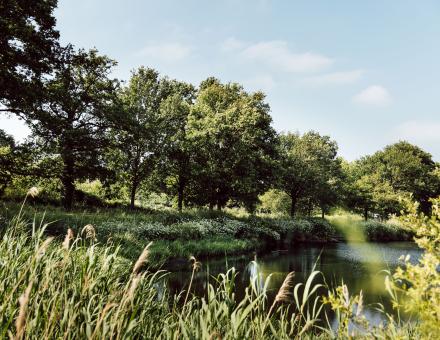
[(367, 73)]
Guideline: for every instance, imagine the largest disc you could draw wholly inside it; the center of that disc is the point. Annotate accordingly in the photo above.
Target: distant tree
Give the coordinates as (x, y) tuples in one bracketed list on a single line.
[(28, 45), (236, 145), (73, 118), (142, 139), (176, 157), (397, 171), (308, 168)]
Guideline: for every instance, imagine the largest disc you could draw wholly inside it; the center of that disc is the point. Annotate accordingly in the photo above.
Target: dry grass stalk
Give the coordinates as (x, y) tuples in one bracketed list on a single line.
[(142, 259), (68, 238), (196, 265), (20, 323)]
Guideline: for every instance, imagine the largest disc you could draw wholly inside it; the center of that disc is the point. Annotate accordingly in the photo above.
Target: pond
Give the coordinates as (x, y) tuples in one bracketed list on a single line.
[(359, 265)]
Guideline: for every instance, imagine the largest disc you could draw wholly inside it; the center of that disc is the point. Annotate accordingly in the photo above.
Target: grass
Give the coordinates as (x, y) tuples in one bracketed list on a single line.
[(201, 233), (81, 289)]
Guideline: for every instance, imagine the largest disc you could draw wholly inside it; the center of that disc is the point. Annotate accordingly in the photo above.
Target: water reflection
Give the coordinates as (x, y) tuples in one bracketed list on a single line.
[(359, 265)]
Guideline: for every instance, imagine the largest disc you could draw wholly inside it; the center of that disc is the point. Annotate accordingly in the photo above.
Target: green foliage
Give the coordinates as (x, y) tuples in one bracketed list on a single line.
[(143, 140), (419, 283), (377, 183), (78, 289), (231, 131), (72, 120), (275, 202), (309, 170), (28, 41)]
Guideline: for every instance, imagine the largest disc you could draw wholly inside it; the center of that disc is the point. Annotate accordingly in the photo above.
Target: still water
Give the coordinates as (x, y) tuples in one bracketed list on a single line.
[(359, 265)]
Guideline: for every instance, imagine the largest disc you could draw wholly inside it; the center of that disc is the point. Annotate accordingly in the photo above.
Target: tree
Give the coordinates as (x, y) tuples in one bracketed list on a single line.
[(72, 120), (397, 171), (308, 167), (176, 161), (142, 139), (28, 45), (236, 145), (7, 146)]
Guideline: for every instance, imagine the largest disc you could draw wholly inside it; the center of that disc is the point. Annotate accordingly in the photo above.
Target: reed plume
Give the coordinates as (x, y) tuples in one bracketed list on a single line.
[(284, 293), (20, 323), (69, 236), (89, 231), (142, 259)]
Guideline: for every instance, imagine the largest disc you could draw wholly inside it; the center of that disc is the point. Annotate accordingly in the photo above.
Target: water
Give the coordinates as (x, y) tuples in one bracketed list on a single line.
[(359, 265)]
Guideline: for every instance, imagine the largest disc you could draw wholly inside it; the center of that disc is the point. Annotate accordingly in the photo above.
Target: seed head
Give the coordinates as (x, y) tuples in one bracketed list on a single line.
[(142, 259), (284, 293), (89, 231), (196, 265), (23, 300), (33, 192)]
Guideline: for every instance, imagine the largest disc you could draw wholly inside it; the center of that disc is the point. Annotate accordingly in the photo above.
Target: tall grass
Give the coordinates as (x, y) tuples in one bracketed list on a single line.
[(79, 289), (73, 287)]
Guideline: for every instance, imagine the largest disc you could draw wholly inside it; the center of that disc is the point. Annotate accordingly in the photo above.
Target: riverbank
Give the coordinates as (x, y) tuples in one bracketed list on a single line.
[(82, 290), (201, 233)]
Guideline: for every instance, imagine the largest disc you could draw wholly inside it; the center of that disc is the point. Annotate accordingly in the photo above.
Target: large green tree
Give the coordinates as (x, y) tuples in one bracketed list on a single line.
[(28, 45), (143, 140), (235, 145), (399, 170), (73, 118), (174, 169), (308, 169)]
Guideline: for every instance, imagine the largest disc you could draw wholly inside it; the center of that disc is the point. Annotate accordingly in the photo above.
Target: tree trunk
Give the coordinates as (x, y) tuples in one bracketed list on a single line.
[(366, 214), (180, 193), (68, 179), (293, 206), (134, 186), (322, 213)]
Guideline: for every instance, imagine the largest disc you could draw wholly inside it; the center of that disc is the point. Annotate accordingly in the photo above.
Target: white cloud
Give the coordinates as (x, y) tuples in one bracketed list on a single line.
[(263, 83), (232, 44), (417, 131), (373, 95), (277, 54), (335, 78), (166, 51)]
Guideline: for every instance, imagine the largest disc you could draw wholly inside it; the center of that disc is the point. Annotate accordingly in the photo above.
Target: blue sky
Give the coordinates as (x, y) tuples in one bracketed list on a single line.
[(367, 73)]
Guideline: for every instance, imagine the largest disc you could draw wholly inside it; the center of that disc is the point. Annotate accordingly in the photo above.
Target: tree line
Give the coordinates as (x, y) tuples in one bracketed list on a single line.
[(208, 145)]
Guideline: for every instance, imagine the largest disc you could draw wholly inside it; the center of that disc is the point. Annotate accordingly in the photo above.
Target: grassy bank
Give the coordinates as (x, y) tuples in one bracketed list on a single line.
[(200, 233)]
